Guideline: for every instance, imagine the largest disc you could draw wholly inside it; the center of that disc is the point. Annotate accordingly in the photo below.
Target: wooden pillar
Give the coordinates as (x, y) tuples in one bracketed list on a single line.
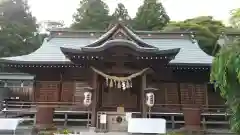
[(143, 107), (94, 100), (44, 117), (206, 95), (44, 114)]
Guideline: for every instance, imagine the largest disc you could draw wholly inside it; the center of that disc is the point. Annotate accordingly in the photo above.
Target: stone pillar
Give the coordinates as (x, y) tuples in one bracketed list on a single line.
[(44, 117)]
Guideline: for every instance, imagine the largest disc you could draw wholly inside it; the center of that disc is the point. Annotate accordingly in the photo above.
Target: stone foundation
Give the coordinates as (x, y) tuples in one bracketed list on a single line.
[(44, 117)]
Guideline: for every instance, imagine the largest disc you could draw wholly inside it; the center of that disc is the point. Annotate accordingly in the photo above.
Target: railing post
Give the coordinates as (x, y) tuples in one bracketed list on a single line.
[(34, 121), (173, 121), (204, 122), (65, 119), (6, 108)]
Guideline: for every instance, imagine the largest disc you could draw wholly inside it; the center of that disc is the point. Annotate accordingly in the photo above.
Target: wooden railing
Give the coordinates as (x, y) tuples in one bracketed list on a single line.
[(179, 107), (212, 115), (27, 111)]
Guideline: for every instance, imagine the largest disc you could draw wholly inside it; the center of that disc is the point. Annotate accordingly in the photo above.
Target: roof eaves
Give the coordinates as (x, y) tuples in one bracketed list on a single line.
[(6, 61), (191, 64)]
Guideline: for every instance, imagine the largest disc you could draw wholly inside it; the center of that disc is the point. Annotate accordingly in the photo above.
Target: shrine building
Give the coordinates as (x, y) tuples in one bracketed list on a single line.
[(118, 67)]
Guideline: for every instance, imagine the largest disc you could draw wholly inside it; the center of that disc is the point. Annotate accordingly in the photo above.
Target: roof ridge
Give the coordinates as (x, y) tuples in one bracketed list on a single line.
[(118, 26), (104, 31)]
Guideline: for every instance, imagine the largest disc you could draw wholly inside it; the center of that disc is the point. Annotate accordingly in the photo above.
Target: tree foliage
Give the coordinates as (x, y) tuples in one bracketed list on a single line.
[(18, 29), (121, 13), (235, 18), (150, 16), (225, 75), (206, 28), (92, 14)]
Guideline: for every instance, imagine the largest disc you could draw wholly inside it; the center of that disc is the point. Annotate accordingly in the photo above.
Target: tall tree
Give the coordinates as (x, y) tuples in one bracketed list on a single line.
[(225, 75), (92, 14), (206, 28), (18, 29), (235, 18), (121, 13), (150, 16)]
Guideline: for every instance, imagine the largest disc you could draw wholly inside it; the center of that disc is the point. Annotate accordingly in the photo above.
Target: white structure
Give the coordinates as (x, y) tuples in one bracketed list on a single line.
[(147, 126), (9, 124)]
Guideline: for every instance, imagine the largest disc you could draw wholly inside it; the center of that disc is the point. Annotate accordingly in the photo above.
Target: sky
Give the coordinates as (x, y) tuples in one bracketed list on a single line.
[(62, 10)]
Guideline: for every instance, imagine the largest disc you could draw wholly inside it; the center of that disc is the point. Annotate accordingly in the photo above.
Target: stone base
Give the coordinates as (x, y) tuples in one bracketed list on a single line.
[(44, 118), (192, 117), (92, 129), (191, 131)]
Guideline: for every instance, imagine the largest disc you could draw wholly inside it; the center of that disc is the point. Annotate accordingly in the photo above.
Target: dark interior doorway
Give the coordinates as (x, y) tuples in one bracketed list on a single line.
[(111, 98)]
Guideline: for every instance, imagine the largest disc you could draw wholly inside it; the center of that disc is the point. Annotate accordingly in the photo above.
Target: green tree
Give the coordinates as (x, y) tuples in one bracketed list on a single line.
[(150, 16), (206, 28), (121, 13), (225, 75), (235, 18), (215, 26), (92, 14), (18, 29)]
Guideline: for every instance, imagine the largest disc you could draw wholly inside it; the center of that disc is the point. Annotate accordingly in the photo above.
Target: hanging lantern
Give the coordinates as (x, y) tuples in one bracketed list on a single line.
[(124, 87), (87, 98), (150, 99)]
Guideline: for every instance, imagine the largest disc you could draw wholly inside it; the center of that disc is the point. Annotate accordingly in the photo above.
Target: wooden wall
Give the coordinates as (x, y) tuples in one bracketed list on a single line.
[(47, 91), (193, 93), (171, 92), (170, 95)]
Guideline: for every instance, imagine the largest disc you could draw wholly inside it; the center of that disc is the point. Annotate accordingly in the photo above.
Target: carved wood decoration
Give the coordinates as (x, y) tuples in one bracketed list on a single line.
[(120, 34), (47, 91)]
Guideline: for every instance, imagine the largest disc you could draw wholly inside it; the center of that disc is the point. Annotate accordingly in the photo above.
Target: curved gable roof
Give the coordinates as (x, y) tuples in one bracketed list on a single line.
[(101, 40), (50, 52)]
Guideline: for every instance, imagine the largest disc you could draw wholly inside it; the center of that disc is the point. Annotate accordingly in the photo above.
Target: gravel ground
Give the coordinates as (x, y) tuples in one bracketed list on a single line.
[(25, 130)]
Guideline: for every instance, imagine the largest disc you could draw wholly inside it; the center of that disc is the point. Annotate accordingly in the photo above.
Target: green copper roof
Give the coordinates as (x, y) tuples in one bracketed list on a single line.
[(15, 76), (50, 52)]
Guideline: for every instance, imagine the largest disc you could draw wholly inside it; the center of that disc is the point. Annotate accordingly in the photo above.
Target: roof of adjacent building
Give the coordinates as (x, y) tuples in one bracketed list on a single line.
[(15, 76), (50, 52)]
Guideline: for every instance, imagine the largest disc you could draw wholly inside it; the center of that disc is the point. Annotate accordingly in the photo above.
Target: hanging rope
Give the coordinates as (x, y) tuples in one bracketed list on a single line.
[(119, 82)]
